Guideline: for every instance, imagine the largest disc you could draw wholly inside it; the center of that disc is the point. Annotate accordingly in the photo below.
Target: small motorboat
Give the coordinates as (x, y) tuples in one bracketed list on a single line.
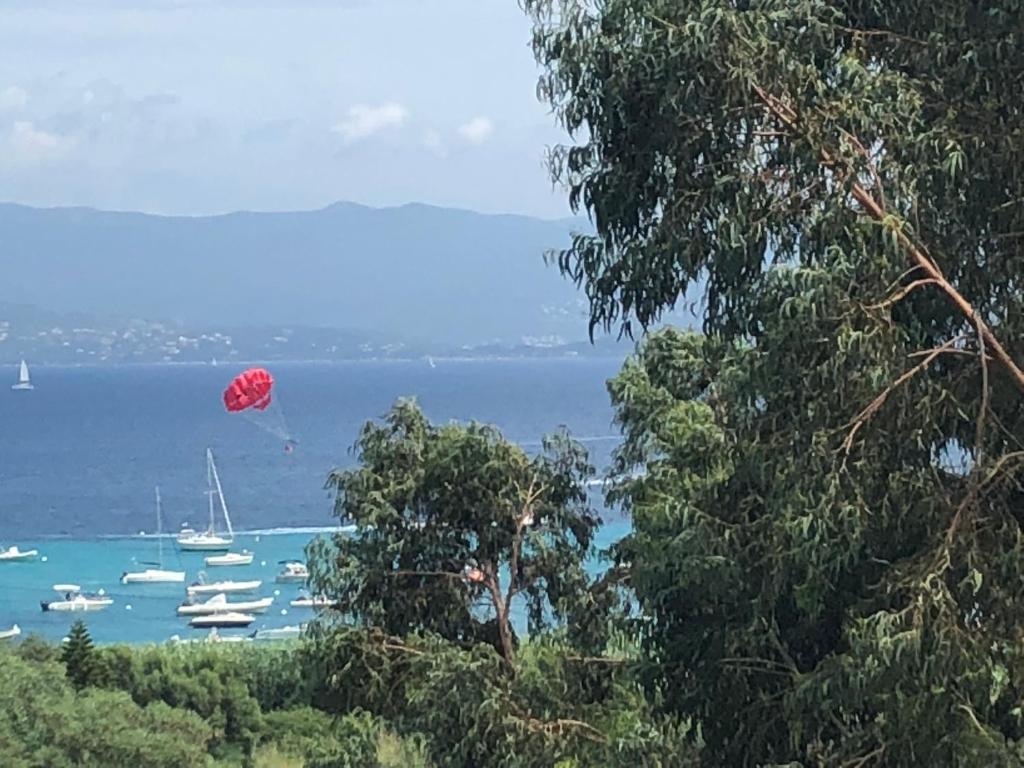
[(7, 634), (15, 555), (222, 620), (202, 587), (219, 604), (293, 572), (316, 603), (231, 558), (277, 633), (76, 600)]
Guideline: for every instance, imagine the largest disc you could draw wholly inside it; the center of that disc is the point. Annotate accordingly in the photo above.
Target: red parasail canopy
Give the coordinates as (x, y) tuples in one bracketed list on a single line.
[(249, 389)]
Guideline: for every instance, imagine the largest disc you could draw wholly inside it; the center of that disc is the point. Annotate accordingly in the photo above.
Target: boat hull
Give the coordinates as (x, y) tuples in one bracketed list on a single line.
[(154, 577), (279, 633), (227, 587), (313, 605), (222, 620), (7, 634), (204, 545), (227, 560), (18, 557), (22, 387), (290, 578), (76, 606), (209, 609)]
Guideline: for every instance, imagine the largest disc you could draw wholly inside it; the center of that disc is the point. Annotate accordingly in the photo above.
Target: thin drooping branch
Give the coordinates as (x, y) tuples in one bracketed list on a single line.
[(877, 211), (560, 727), (878, 402)]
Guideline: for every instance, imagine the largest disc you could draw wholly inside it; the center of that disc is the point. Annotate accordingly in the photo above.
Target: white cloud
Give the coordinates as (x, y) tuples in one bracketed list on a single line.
[(477, 130), (30, 144), (364, 120), (13, 97)]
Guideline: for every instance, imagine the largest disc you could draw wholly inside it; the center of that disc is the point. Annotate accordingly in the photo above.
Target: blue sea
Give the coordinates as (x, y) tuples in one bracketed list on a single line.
[(81, 454)]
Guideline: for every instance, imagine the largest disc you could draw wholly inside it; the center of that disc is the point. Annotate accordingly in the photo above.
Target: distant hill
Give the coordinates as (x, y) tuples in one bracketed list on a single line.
[(419, 273)]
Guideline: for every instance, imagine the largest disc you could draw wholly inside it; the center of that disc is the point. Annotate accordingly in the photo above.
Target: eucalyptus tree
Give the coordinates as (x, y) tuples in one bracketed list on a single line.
[(454, 526), (828, 524)]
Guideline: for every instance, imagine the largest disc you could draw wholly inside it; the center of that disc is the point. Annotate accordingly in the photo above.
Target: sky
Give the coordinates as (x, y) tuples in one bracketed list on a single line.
[(207, 106)]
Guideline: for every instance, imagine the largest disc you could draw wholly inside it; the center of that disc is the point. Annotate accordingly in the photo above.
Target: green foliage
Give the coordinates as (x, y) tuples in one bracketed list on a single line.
[(355, 740), (37, 648), (453, 524), (222, 686), (826, 486), (44, 723), (78, 656), (555, 704)]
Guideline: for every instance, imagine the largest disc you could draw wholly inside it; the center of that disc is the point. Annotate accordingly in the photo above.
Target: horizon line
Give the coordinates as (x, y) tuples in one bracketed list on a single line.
[(288, 211)]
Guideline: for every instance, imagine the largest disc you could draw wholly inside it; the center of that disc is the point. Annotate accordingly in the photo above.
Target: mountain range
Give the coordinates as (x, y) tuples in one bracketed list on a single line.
[(413, 274)]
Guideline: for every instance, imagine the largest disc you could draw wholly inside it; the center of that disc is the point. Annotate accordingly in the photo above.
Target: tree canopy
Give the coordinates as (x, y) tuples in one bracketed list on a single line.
[(826, 484), (454, 524)]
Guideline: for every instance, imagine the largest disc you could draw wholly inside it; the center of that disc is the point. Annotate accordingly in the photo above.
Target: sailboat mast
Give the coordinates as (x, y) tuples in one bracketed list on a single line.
[(159, 529), (209, 485), (220, 494)]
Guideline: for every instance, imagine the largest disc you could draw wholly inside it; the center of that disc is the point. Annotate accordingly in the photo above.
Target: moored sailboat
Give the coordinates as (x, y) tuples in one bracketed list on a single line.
[(208, 540), (155, 575), (231, 558)]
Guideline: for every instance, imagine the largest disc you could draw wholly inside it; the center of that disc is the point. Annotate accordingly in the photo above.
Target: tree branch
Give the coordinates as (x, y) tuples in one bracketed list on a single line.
[(785, 114), (879, 401)]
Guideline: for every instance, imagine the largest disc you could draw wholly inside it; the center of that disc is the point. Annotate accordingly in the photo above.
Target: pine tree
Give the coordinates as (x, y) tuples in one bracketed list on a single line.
[(78, 655)]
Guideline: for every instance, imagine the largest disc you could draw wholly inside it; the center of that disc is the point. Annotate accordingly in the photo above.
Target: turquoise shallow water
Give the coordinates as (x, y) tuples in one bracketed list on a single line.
[(144, 613)]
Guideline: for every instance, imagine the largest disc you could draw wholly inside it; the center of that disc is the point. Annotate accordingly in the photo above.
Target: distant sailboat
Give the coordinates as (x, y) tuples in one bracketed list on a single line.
[(24, 383)]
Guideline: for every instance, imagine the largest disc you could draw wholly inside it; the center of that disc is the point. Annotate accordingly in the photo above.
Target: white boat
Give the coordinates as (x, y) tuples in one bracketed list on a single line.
[(7, 634), (212, 637), (155, 575), (277, 633), (320, 601), (13, 554), (202, 587), (75, 600), (24, 383), (229, 619), (208, 540), (293, 572), (219, 604), (231, 558)]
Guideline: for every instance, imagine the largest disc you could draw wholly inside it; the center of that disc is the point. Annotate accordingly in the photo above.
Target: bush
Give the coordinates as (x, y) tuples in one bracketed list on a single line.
[(44, 722)]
